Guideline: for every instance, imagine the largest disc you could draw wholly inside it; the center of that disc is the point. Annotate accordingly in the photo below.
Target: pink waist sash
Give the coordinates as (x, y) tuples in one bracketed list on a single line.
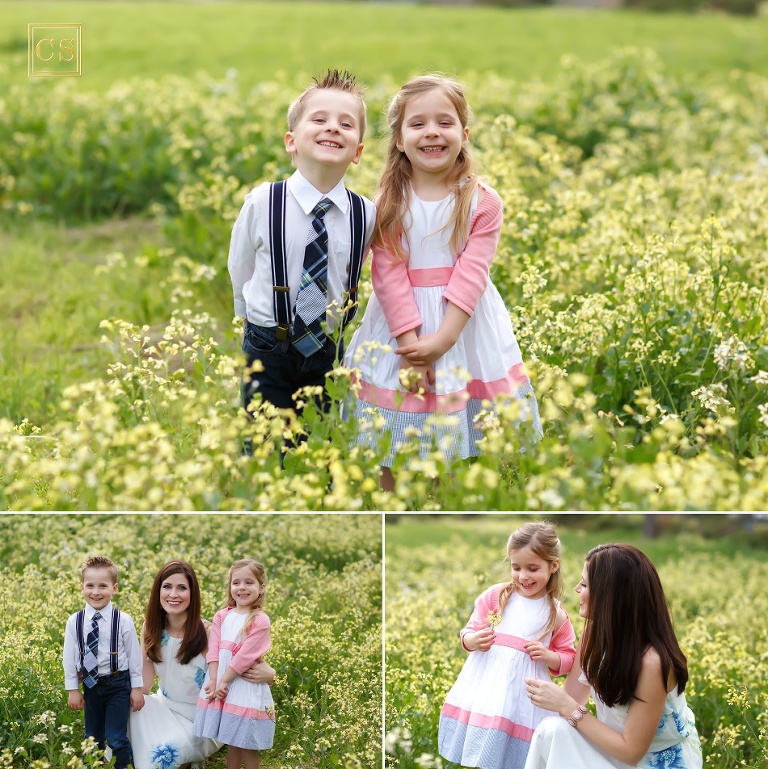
[(513, 641), (433, 276)]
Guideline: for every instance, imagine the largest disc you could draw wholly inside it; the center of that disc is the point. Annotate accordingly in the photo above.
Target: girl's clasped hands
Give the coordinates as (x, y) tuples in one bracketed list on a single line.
[(213, 692)]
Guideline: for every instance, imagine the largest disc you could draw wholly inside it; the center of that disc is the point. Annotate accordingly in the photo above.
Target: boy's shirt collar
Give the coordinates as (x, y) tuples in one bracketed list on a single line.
[(90, 611), (308, 196)]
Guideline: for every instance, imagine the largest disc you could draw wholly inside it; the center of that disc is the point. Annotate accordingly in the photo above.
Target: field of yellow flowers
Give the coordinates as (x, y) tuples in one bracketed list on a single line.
[(324, 602), (632, 261), (715, 588)]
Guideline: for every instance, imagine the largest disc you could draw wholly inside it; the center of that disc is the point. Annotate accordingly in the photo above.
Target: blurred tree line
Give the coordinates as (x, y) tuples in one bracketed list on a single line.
[(752, 527), (740, 7)]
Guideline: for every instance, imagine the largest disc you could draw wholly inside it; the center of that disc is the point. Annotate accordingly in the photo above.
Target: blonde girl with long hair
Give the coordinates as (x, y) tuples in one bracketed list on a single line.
[(231, 709), (517, 631), (436, 336)]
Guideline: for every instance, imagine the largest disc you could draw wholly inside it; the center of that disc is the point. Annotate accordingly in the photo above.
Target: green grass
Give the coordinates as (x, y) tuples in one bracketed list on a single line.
[(49, 334), (264, 40)]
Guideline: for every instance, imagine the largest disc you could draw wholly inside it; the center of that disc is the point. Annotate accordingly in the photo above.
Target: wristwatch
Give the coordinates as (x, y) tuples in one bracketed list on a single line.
[(576, 716)]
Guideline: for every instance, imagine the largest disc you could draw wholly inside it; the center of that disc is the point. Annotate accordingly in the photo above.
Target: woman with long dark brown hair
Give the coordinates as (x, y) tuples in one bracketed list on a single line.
[(629, 660), (174, 641)]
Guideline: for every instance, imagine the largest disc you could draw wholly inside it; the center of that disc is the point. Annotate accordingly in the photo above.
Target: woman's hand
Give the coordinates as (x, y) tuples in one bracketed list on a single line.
[(549, 696), (260, 673), (481, 640)]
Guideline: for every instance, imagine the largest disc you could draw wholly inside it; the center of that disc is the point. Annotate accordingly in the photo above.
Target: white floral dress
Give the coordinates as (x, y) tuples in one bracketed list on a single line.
[(557, 745), (161, 733)]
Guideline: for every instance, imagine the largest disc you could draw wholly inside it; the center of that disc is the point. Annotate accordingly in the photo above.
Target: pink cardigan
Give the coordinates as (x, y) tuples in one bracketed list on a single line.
[(389, 273), (562, 640), (244, 654)]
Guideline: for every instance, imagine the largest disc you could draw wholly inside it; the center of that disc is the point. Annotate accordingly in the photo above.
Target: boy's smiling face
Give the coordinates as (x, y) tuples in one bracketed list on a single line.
[(98, 587), (327, 134)]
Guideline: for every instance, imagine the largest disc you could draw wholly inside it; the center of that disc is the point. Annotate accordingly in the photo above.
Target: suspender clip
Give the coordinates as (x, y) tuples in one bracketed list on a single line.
[(282, 332)]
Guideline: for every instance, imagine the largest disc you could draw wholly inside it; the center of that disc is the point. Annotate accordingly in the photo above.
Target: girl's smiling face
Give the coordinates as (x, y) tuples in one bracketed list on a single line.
[(174, 594), (431, 134), (244, 588), (530, 572)]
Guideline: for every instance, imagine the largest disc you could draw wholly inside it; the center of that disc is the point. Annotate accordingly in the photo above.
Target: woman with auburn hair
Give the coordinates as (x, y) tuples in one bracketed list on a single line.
[(174, 642), (629, 660)]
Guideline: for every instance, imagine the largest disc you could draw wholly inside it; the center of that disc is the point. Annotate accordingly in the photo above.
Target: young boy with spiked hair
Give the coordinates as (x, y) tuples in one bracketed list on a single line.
[(298, 246), (101, 648)]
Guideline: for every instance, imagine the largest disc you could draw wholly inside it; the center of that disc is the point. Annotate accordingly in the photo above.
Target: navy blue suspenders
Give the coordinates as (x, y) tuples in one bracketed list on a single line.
[(115, 630), (357, 231), (281, 290)]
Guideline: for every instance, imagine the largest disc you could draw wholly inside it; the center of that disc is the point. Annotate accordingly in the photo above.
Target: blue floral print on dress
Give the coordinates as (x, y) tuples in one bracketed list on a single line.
[(680, 722), (662, 723), (671, 758), (164, 638), (199, 678), (163, 692), (165, 756)]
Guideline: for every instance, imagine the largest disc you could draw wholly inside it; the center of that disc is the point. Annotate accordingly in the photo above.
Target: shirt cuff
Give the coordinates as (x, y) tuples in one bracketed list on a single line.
[(70, 684), (137, 682), (240, 309)]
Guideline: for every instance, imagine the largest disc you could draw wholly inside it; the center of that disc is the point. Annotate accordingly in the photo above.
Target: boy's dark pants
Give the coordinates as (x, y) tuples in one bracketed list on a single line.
[(107, 706), (285, 368)]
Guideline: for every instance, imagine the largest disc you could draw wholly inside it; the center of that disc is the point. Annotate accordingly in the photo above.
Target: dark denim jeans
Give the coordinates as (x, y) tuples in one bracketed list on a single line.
[(285, 368), (107, 706)]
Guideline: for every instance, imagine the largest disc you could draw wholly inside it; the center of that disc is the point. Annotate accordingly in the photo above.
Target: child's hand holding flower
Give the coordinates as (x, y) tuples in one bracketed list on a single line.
[(494, 618), (481, 640)]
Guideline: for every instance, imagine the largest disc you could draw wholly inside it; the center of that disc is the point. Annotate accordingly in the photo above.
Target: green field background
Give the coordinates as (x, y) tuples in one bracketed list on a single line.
[(629, 151), (122, 40), (711, 572)]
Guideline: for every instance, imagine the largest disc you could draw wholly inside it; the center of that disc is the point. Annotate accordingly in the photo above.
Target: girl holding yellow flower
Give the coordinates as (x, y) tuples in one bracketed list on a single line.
[(518, 630)]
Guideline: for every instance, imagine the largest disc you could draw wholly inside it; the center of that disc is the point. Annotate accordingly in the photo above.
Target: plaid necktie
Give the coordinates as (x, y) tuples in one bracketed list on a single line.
[(91, 656), (312, 299)]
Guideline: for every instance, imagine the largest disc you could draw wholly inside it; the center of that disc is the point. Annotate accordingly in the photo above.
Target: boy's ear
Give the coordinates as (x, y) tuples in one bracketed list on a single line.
[(114, 588), (290, 143), (356, 158)]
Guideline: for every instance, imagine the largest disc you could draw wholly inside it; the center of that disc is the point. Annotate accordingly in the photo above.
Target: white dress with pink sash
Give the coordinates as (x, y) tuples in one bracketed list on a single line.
[(484, 363), (246, 718), (487, 720)]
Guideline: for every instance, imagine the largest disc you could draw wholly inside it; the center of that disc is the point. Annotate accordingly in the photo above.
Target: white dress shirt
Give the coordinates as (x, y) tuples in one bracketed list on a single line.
[(250, 260), (128, 647)]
